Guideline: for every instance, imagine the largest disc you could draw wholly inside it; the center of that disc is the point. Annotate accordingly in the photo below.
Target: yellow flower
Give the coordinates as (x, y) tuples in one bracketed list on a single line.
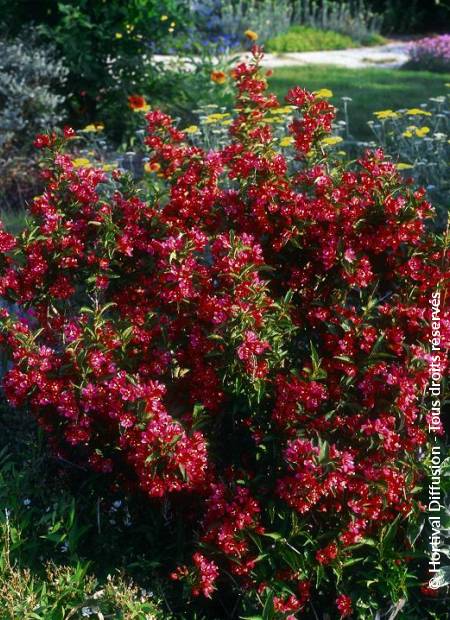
[(109, 167), (417, 112), (331, 140), (323, 93), (226, 122), (420, 133), (251, 34), (407, 134), (191, 129), (287, 109), (152, 167), (119, 35), (382, 114), (214, 118), (402, 166), (164, 18), (79, 162), (286, 141), (145, 108), (93, 128)]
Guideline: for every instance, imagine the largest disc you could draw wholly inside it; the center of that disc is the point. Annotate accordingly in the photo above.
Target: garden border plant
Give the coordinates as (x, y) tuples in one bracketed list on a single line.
[(250, 345)]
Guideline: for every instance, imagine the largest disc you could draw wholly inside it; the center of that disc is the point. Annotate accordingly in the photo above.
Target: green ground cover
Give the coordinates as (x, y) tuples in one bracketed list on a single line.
[(370, 89)]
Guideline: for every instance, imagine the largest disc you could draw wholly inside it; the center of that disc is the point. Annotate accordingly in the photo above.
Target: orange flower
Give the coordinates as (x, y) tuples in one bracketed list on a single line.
[(137, 102), (219, 77), (151, 167), (251, 34)]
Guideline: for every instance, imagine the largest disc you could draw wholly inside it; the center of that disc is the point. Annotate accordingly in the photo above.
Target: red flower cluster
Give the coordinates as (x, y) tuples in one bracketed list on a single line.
[(254, 338)]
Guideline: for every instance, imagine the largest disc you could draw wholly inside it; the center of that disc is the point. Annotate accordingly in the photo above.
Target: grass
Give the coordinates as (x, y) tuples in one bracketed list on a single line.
[(370, 89)]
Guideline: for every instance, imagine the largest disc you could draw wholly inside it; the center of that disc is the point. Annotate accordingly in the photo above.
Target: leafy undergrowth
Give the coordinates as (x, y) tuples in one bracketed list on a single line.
[(307, 39), (61, 548)]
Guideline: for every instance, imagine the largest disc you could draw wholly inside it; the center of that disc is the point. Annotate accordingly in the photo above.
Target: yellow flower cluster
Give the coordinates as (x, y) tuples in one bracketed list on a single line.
[(217, 117), (286, 141), (331, 141), (412, 131), (80, 162), (284, 110), (417, 112), (93, 128), (191, 129), (383, 114), (323, 93)]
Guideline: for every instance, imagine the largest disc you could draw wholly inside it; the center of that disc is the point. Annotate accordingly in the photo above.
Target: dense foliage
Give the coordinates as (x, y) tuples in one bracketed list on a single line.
[(249, 345), (307, 39), (106, 47)]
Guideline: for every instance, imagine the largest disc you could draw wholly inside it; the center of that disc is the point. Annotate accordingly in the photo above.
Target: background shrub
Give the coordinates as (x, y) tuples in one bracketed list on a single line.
[(228, 21), (32, 80), (352, 18), (107, 48), (307, 39)]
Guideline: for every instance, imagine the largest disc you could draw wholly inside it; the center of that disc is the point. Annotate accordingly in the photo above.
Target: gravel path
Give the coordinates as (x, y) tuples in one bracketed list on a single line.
[(390, 56)]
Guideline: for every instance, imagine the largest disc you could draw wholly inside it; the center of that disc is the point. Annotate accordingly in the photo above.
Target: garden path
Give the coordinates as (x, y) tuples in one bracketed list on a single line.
[(391, 56)]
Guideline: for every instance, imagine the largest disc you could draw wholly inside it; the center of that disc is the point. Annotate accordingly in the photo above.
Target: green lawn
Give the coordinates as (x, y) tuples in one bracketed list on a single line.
[(370, 89)]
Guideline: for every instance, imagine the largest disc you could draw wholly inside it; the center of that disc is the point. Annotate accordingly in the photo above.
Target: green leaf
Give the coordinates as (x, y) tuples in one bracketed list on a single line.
[(268, 611)]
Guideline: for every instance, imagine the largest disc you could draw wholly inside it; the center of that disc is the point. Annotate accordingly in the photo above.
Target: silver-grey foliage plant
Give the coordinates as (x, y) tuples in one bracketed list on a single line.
[(30, 75)]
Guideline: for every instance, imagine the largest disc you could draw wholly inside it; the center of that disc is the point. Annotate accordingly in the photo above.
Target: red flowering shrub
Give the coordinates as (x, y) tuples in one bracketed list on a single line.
[(253, 340)]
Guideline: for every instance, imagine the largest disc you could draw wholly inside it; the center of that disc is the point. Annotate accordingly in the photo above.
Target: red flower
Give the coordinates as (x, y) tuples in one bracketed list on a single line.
[(344, 605), (136, 102)]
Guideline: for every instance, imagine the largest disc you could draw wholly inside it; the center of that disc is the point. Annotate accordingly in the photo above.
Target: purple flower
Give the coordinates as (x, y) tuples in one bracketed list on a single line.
[(431, 53)]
